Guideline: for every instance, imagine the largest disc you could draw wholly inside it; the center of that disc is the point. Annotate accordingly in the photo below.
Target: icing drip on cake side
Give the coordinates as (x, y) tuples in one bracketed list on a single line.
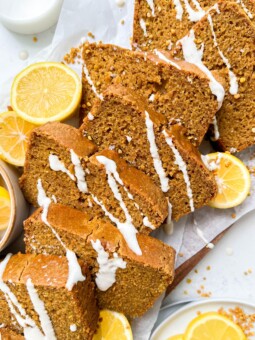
[(39, 307), (151, 4), (182, 167), (127, 228), (74, 273), (143, 27), (164, 181), (79, 173), (169, 225), (195, 56), (179, 9), (194, 16), (90, 82), (232, 78), (57, 165), (245, 8), (31, 331), (106, 275), (164, 58), (216, 129)]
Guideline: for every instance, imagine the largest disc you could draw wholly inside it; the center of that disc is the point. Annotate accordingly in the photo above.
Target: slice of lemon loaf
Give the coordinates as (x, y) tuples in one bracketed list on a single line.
[(224, 40), (177, 89), (124, 121), (159, 24), (104, 183), (35, 301), (126, 282)]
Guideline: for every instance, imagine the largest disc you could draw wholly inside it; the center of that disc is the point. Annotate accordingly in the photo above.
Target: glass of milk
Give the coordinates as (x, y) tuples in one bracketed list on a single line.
[(29, 16)]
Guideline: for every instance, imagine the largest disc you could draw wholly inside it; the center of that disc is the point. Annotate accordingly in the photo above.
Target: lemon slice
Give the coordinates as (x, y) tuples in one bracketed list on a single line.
[(113, 326), (213, 326), (5, 208), (232, 177), (46, 92), (14, 133), (176, 337)]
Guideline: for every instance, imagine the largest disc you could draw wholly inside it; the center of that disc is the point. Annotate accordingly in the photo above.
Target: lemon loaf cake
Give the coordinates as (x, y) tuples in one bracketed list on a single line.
[(125, 282), (177, 89), (224, 40), (124, 121), (159, 24), (104, 183), (35, 301)]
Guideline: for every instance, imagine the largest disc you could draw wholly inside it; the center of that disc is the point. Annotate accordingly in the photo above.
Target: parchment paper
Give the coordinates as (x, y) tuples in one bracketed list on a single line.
[(103, 18)]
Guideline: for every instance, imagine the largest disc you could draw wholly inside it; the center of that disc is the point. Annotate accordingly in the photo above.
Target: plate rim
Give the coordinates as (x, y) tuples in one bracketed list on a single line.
[(199, 303)]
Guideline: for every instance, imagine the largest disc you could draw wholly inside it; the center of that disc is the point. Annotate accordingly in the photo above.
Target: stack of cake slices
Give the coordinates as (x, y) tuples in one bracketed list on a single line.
[(131, 167)]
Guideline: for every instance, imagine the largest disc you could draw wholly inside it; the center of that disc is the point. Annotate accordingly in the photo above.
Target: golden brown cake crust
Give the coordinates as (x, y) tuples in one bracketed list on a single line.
[(8, 334), (49, 275), (120, 122), (162, 35), (146, 74), (152, 272), (236, 41)]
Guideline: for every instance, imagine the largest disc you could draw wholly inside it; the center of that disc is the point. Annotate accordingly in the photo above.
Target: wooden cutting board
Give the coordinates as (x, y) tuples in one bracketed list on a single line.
[(190, 264)]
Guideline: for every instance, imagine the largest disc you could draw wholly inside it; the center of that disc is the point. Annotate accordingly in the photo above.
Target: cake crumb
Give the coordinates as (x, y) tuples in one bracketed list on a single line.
[(35, 39), (188, 280), (181, 254), (208, 268), (91, 35), (233, 215), (122, 22)]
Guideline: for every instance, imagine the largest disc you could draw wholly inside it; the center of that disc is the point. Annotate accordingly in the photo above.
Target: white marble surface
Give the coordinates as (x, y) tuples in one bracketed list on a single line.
[(228, 261)]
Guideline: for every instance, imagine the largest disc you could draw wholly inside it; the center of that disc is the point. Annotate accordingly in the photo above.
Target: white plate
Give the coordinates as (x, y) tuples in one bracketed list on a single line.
[(178, 321)]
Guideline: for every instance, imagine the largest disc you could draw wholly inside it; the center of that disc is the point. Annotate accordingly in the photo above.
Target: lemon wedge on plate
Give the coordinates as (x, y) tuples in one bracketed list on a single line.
[(5, 208), (232, 177), (113, 326), (14, 133), (45, 92), (213, 326)]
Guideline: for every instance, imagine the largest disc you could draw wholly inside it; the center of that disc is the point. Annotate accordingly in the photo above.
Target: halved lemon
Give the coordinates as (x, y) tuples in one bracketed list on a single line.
[(14, 133), (45, 92), (113, 326), (232, 177), (176, 337), (5, 208), (213, 326)]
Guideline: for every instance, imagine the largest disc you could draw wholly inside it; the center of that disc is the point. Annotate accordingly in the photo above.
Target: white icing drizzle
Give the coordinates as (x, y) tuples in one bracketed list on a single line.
[(90, 116), (211, 165), (147, 223), (128, 139), (194, 15), (106, 275), (74, 269), (194, 56), (127, 228), (179, 9), (152, 97), (164, 181), (79, 172), (143, 27), (164, 58), (54, 199), (216, 129), (73, 328), (169, 225), (245, 8), (232, 78), (57, 165), (182, 167), (29, 326), (151, 4), (201, 235), (89, 80), (39, 307)]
